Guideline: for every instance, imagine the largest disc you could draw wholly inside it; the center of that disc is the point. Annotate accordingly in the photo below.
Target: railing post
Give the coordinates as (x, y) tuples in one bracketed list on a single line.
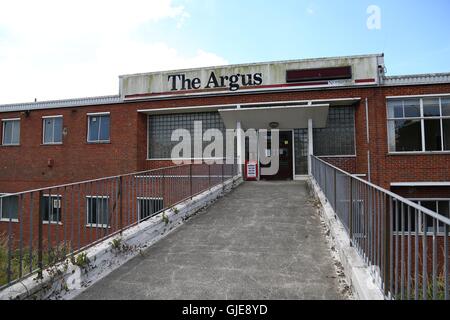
[(40, 236), (120, 206), (387, 247), (335, 191), (190, 180), (350, 216)]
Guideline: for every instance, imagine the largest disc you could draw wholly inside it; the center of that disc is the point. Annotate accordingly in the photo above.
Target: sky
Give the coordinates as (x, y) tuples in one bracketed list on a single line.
[(58, 49)]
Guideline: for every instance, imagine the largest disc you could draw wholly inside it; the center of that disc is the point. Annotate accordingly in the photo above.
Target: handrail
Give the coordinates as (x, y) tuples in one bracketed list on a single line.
[(390, 193)]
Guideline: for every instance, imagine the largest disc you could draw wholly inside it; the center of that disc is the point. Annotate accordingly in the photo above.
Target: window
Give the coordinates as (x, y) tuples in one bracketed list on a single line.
[(148, 207), (97, 211), (301, 151), (338, 138), (51, 209), (160, 128), (419, 125), (9, 208), (52, 130), (98, 127), (440, 206), (11, 132)]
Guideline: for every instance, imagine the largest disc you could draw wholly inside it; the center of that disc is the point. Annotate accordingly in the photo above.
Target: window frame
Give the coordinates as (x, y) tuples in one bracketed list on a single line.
[(53, 133), (421, 118), (2, 219), (60, 209), (98, 114), (138, 200), (3, 132), (96, 225)]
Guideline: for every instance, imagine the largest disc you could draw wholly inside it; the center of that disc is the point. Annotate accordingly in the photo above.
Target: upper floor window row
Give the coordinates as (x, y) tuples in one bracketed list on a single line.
[(419, 124), (98, 129)]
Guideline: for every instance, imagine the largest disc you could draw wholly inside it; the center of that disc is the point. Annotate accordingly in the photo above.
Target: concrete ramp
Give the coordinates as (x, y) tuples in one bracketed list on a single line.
[(263, 240)]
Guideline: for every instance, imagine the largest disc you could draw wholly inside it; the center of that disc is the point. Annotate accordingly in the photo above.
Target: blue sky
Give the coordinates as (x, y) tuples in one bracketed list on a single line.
[(60, 49)]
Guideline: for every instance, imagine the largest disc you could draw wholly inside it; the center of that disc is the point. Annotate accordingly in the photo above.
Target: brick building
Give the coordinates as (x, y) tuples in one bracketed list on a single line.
[(392, 130)]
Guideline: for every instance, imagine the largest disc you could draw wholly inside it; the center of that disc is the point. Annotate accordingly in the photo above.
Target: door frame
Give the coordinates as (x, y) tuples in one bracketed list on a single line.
[(293, 153)]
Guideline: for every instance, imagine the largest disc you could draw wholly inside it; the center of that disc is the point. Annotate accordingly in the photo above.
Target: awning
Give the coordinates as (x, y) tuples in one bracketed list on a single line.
[(287, 117)]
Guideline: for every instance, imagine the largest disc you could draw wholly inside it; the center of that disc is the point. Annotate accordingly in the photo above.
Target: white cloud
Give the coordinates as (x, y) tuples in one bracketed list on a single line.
[(65, 49)]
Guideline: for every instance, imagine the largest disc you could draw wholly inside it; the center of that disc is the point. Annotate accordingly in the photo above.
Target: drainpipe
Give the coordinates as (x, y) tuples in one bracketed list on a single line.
[(310, 144), (368, 141)]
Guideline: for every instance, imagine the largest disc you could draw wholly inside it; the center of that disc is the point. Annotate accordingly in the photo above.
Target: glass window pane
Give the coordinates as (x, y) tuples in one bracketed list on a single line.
[(446, 130), (94, 123), (407, 135), (412, 108), (48, 130), (58, 123), (338, 138), (395, 109), (301, 151), (7, 132), (160, 129), (102, 211), (104, 128), (16, 132), (433, 135), (445, 103), (431, 108), (10, 207)]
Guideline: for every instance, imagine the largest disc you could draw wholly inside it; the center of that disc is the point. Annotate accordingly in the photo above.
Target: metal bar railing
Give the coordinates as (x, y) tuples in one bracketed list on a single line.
[(41, 227), (405, 244)]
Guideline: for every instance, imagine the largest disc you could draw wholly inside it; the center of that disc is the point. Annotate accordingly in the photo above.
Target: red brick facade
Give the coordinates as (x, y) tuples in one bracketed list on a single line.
[(26, 166)]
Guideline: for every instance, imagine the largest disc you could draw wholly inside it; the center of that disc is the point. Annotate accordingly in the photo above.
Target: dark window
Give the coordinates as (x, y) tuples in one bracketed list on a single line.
[(161, 127), (431, 108), (97, 211), (445, 102), (9, 208), (98, 128), (149, 207), (338, 138), (51, 208), (446, 130), (433, 135), (406, 135)]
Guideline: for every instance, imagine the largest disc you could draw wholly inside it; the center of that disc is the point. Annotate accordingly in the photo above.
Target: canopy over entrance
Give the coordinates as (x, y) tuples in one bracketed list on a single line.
[(278, 117)]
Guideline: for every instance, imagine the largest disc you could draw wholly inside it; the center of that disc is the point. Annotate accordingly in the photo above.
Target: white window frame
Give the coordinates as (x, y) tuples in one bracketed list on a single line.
[(98, 114), (146, 198), (422, 120), (53, 133), (93, 225), (3, 132), (60, 209), (1, 209)]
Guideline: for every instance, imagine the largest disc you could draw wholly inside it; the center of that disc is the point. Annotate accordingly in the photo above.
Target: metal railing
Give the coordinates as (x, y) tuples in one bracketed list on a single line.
[(405, 244), (45, 226)]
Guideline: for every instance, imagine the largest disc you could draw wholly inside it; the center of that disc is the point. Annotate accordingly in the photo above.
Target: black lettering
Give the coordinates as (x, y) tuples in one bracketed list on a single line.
[(222, 80), (174, 81), (212, 80), (257, 77), (185, 82), (196, 83), (247, 80), (234, 85)]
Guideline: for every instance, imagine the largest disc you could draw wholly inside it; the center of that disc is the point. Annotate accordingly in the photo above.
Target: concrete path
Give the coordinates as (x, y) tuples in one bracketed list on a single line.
[(261, 241)]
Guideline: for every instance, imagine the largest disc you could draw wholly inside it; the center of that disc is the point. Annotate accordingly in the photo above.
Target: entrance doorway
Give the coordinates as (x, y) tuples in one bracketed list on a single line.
[(285, 152)]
